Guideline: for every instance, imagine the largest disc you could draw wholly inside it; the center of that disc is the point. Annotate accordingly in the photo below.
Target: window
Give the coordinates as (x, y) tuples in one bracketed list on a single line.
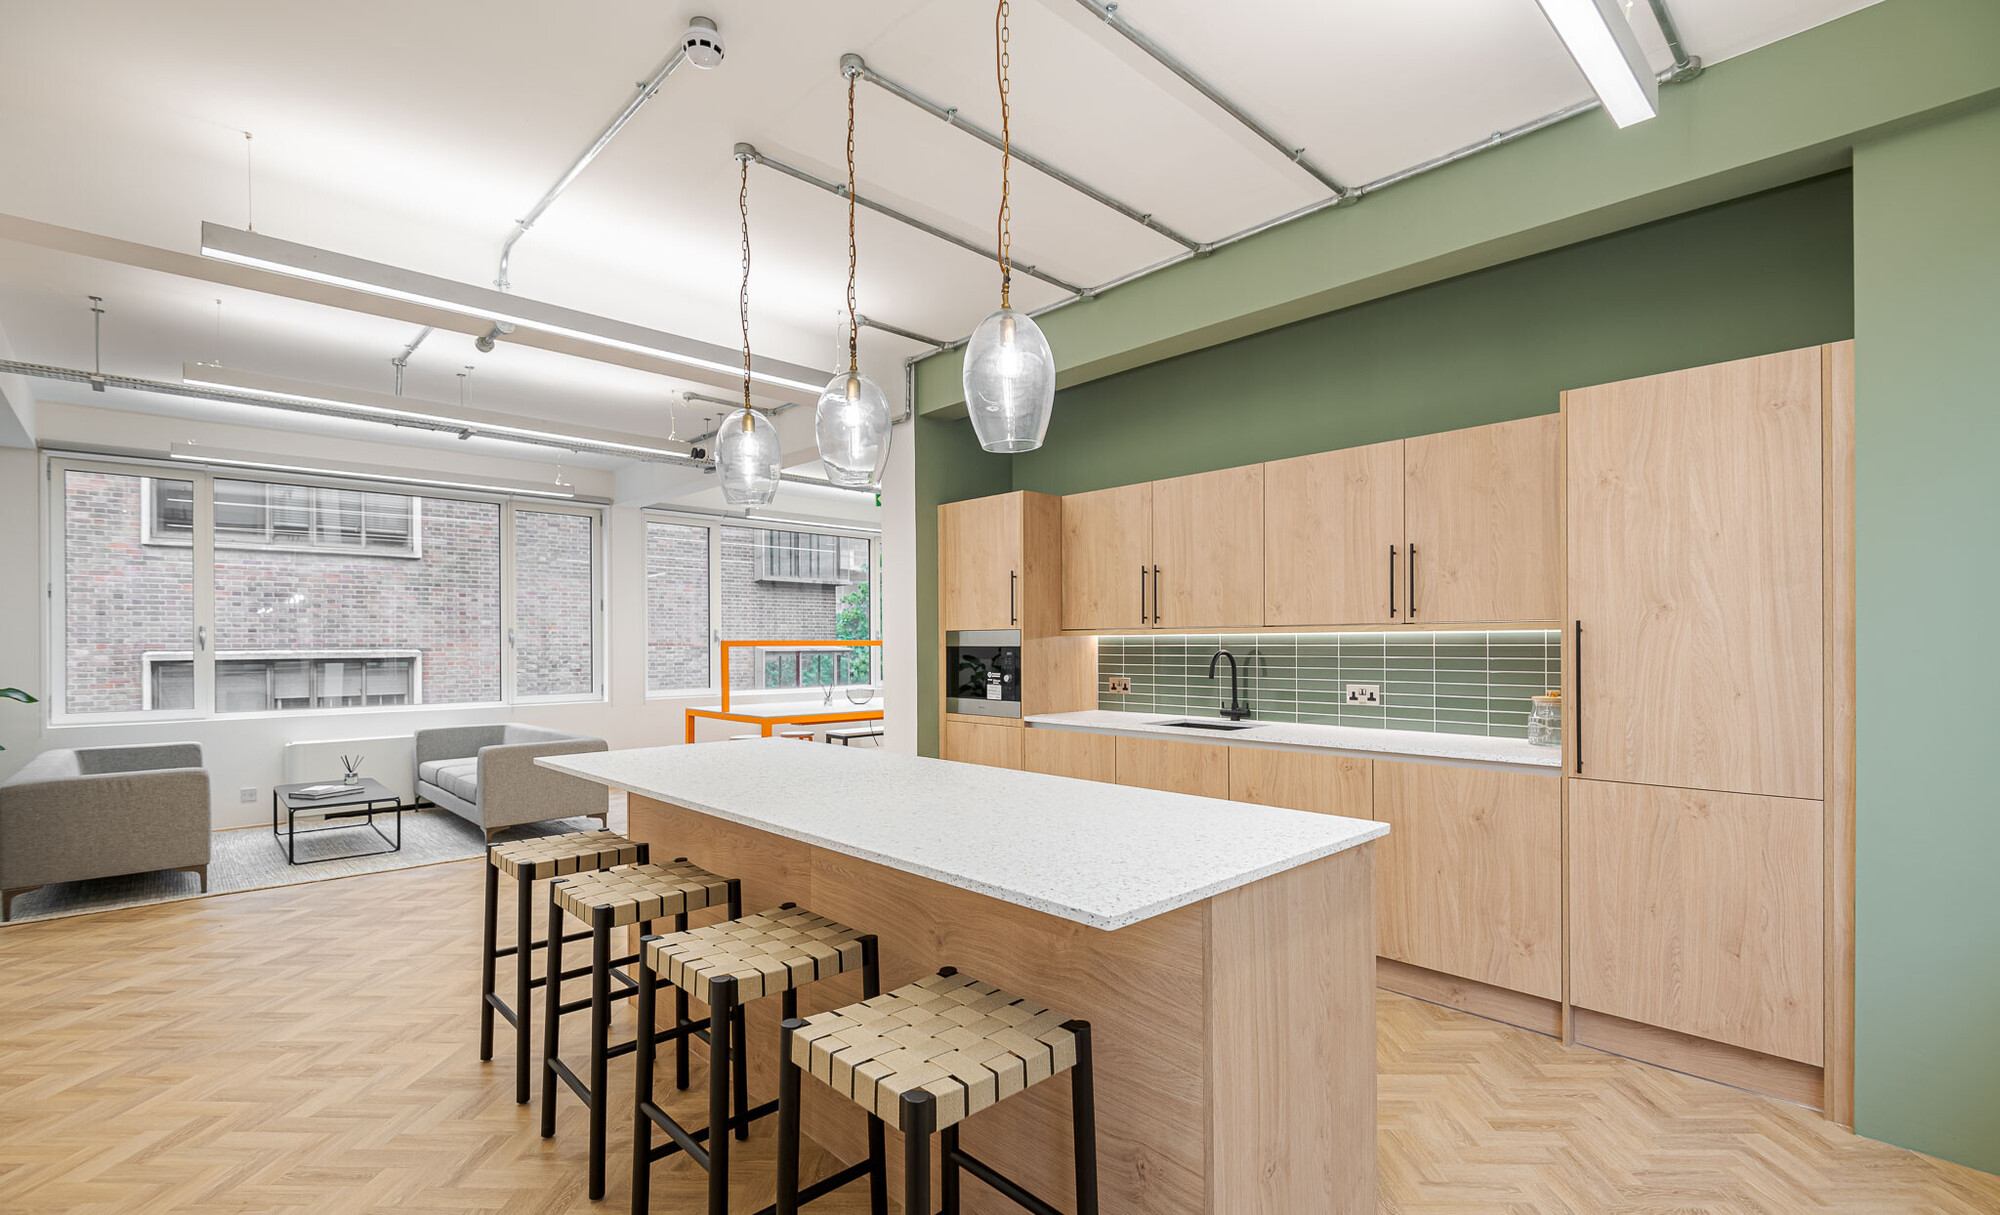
[(271, 514), (555, 558), (678, 638), (317, 596), (122, 597)]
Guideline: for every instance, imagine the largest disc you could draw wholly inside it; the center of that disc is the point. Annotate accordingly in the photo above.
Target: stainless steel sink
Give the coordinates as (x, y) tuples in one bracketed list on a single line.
[(1211, 725)]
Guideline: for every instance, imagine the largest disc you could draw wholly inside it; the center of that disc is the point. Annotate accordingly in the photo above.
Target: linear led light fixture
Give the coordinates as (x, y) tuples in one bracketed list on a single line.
[(263, 252), (195, 453), (1600, 39), (399, 409)]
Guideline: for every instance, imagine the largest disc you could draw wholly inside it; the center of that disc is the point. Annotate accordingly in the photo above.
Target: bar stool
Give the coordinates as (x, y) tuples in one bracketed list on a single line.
[(931, 1055), (528, 861), (800, 735), (614, 898), (725, 966), (846, 737)]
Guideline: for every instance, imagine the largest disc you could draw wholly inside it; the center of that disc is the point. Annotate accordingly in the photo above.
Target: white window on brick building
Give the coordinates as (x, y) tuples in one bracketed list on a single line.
[(555, 597), (121, 597), (261, 514), (268, 683), (799, 587)]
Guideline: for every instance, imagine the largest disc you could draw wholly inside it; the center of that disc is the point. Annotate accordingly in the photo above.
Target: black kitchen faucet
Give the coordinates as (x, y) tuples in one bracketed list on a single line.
[(1235, 710)]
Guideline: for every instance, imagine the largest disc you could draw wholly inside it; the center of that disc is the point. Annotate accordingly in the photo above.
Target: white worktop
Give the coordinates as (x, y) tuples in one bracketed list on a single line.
[(1298, 736), (1101, 855)]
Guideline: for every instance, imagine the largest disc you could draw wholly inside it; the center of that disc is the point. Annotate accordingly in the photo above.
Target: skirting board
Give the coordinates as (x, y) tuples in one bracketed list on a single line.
[(1785, 1079), (1480, 999)]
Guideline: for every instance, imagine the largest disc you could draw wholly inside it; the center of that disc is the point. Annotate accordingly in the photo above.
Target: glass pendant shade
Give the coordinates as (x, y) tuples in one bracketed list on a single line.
[(749, 457), (852, 424), (1010, 382)]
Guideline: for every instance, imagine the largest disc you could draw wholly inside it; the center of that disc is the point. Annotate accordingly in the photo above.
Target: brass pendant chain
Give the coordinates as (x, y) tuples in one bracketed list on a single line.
[(743, 293), (1002, 35), (853, 325)]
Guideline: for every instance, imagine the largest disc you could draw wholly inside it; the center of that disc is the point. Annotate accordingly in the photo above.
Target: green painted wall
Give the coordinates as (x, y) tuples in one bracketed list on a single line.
[(1770, 272), (1927, 494)]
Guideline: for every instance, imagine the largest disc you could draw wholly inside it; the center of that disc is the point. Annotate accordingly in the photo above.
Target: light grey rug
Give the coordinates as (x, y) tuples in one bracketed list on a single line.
[(254, 859)]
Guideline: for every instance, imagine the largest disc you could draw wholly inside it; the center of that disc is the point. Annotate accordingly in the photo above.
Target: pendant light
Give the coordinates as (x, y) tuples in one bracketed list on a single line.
[(1010, 374), (852, 421), (747, 451)]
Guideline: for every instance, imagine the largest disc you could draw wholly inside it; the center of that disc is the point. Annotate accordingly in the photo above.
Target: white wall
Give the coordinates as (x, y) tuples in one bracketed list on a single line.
[(899, 593), (248, 752)]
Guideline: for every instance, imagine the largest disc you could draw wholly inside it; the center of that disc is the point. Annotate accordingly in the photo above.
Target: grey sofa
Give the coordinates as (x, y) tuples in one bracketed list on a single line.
[(101, 812), (487, 775)]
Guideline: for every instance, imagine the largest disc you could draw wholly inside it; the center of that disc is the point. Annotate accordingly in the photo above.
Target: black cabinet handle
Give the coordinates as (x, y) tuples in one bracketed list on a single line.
[(1156, 594), (1576, 710), (1392, 582), (1142, 594), (1013, 583), (1412, 614)]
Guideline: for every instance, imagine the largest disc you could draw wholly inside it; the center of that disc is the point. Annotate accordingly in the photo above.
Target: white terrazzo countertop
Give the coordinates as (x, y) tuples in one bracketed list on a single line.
[(1105, 856), (1297, 736)]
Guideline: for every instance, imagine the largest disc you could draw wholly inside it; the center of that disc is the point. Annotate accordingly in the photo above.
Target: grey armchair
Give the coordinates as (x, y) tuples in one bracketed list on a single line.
[(101, 812), (487, 775)]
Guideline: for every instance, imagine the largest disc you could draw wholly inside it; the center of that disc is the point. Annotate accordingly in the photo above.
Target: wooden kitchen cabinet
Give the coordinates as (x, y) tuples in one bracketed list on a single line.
[(1174, 767), (1207, 555), (1482, 521), (1695, 578), (1468, 881), (981, 563), (1107, 545), (1700, 912), (996, 746), (1300, 780), (1073, 753), (1331, 524)]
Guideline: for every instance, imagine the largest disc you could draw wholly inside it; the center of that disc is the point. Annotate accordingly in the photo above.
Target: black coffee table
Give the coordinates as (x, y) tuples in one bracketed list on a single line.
[(362, 802)]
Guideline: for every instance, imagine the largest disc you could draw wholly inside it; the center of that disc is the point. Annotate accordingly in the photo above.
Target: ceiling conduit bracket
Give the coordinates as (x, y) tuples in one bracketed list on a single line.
[(1686, 67)]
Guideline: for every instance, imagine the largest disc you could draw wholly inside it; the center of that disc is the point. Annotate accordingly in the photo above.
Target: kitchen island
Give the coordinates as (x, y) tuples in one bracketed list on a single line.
[(1223, 952)]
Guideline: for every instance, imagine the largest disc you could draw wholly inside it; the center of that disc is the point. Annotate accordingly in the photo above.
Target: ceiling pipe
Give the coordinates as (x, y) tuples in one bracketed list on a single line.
[(438, 425), (402, 361), (852, 65), (839, 189), (1686, 66), (1108, 13), (899, 331)]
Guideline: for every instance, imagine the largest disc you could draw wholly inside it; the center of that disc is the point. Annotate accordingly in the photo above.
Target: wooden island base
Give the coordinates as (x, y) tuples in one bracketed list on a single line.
[(1234, 1037)]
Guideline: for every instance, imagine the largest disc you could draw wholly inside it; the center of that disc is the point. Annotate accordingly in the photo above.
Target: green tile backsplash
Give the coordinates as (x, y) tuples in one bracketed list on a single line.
[(1449, 683)]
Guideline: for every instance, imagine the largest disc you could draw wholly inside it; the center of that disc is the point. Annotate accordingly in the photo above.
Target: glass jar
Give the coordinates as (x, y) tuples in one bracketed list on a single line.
[(1545, 719)]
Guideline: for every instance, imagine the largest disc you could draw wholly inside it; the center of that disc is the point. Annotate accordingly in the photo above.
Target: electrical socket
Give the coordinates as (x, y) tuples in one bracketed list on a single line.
[(246, 795), (1121, 683), (1364, 694)]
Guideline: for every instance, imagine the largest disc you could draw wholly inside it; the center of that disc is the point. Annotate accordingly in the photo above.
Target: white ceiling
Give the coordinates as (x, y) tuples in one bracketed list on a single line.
[(415, 134)]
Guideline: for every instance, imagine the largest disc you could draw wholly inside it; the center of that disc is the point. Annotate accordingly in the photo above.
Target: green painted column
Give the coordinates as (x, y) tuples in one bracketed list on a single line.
[(1927, 495)]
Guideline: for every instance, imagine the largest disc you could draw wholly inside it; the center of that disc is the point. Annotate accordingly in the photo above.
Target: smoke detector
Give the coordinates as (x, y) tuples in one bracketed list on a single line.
[(701, 43)]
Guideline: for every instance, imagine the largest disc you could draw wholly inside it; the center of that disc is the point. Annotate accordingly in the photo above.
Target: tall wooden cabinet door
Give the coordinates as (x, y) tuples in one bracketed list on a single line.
[(980, 563), (1174, 767), (1073, 753), (1300, 780), (1469, 879), (1695, 575), (1107, 558), (1483, 519), (1331, 522), (1700, 912), (978, 743), (1208, 551)]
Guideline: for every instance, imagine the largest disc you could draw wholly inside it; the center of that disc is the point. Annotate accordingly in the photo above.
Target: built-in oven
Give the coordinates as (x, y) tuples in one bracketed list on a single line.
[(982, 672)]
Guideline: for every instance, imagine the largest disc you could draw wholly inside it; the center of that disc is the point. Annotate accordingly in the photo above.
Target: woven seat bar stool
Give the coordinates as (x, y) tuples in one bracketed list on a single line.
[(616, 898), (772, 953), (929, 1056), (527, 862)]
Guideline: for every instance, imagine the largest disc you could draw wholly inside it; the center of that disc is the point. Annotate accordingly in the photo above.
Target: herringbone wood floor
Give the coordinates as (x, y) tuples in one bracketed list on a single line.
[(313, 1049)]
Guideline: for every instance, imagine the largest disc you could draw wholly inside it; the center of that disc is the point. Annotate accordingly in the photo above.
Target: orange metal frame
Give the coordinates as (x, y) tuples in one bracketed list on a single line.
[(809, 719)]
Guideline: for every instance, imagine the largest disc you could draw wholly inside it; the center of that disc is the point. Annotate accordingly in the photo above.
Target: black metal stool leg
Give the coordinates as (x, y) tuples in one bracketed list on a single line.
[(524, 966), (642, 1088), (878, 1166), (552, 1021), (1083, 1106), (722, 1010), (788, 1120), (486, 960), (739, 1062), (918, 1110), (600, 1040), (681, 1021), (948, 1174)]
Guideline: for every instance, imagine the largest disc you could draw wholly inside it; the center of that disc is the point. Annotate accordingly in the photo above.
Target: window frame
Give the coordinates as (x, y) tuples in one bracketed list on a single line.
[(714, 524), (55, 624)]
